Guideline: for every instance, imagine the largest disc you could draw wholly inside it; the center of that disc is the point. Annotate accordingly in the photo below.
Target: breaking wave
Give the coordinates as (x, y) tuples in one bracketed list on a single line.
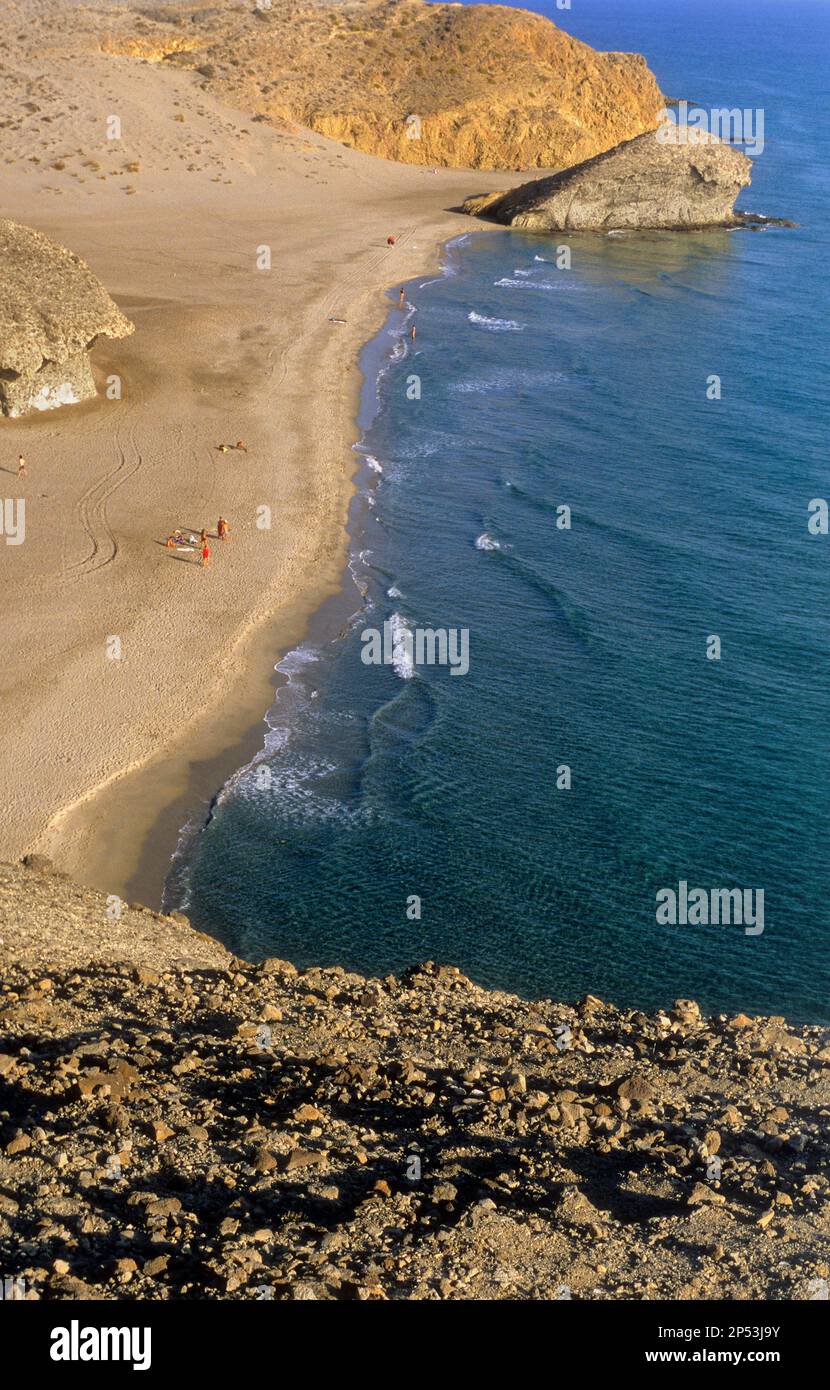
[(496, 325)]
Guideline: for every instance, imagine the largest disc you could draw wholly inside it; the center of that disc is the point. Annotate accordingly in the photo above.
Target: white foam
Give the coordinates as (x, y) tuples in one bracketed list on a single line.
[(393, 593), (402, 660), (295, 660), (507, 284), (496, 325), (373, 464), (487, 542)]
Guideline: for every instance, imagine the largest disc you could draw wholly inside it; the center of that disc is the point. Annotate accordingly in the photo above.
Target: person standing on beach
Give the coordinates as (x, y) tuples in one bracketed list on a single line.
[(401, 299), (414, 332), (203, 539), (21, 467), (223, 530), (205, 554)]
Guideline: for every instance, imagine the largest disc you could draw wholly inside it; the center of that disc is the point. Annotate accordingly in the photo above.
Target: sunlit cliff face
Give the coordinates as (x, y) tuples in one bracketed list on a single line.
[(481, 87)]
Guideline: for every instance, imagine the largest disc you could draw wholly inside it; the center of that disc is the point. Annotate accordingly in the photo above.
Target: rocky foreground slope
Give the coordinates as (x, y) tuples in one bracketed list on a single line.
[(177, 1123), (483, 86)]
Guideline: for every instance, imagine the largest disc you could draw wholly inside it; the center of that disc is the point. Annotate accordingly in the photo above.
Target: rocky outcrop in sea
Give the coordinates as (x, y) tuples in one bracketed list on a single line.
[(689, 181)]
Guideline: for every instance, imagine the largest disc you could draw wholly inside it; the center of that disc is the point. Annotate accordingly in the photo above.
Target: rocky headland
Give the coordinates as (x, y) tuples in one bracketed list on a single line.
[(645, 183), (483, 86), (178, 1123), (52, 311)]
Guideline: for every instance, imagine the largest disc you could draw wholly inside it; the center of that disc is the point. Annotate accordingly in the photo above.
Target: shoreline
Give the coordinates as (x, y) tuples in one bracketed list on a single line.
[(323, 624), (110, 756), (162, 796)]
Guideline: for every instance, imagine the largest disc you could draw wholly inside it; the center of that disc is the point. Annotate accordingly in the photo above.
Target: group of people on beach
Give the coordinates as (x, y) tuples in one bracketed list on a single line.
[(185, 540)]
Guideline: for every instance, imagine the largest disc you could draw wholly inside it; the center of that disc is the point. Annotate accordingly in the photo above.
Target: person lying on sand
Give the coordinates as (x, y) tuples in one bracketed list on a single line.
[(240, 445)]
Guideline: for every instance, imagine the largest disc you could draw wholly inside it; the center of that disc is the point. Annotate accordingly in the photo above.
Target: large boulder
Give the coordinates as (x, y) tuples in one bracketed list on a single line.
[(52, 309), (681, 181)]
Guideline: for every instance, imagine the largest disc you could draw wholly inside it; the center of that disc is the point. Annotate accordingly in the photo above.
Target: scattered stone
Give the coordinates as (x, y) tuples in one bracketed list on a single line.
[(637, 1090), (159, 1131), (18, 1145), (305, 1114), (165, 1206), (437, 1143), (303, 1158), (701, 1194)]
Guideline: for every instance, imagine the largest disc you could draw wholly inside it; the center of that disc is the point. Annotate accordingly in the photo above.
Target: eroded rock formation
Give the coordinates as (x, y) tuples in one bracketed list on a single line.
[(52, 309), (691, 180)]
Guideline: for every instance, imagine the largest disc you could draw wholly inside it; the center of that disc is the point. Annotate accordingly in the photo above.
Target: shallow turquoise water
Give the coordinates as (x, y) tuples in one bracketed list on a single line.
[(542, 387)]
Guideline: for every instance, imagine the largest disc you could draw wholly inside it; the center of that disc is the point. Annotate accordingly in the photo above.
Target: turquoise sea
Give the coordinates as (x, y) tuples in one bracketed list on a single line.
[(399, 812)]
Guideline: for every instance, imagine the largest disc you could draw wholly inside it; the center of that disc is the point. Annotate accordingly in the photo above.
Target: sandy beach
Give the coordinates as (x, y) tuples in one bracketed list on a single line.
[(107, 757)]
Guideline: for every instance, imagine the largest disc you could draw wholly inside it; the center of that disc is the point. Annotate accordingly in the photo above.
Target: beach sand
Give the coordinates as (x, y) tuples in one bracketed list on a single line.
[(104, 759)]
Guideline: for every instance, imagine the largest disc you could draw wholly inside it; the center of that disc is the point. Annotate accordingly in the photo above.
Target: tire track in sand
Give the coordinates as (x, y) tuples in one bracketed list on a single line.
[(91, 511)]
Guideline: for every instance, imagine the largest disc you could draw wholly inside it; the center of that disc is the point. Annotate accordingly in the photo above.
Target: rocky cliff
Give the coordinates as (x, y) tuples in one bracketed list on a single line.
[(481, 86), (52, 309), (643, 183), (178, 1123)]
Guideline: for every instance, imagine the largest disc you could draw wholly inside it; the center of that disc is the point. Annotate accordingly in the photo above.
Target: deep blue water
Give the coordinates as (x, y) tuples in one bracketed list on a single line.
[(585, 388)]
